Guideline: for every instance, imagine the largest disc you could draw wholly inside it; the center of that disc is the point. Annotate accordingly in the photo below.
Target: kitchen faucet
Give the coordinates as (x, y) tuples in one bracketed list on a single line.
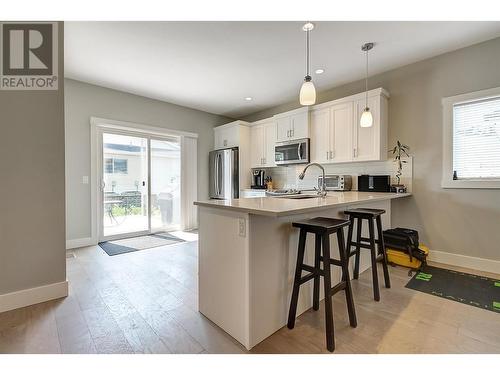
[(321, 189)]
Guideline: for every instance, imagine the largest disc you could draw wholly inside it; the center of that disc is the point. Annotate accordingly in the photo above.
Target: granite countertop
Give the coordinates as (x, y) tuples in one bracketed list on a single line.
[(278, 206)]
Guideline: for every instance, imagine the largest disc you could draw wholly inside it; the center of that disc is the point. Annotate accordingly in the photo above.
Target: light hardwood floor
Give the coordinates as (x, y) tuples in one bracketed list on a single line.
[(146, 302)]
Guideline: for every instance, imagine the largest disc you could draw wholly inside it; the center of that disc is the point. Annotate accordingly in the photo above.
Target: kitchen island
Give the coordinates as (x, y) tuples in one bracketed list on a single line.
[(247, 255)]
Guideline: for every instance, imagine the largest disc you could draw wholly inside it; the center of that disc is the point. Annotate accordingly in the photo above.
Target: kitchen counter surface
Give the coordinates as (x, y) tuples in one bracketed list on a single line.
[(278, 206)]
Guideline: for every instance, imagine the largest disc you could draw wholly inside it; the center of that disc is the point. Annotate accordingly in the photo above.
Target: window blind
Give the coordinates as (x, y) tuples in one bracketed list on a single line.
[(476, 139)]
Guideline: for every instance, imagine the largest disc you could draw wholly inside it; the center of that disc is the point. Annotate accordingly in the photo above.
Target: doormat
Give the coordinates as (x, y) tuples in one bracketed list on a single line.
[(472, 290), (128, 245)]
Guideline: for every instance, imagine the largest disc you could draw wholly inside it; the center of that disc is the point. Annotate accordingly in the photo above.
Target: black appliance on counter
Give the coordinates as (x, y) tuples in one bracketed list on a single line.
[(380, 183), (258, 180)]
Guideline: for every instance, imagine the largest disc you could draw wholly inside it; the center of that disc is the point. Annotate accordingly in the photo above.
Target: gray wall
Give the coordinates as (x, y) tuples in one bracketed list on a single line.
[(461, 221), (83, 101), (32, 236)]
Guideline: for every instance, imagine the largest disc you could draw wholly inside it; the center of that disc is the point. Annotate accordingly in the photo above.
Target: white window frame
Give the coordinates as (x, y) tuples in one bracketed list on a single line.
[(447, 180)]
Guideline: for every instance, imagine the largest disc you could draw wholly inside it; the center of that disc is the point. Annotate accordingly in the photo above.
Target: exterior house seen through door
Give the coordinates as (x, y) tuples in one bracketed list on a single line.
[(141, 184)]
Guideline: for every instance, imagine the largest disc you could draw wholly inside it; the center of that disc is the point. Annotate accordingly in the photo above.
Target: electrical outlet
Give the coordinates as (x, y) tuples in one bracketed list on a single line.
[(85, 180), (242, 228)]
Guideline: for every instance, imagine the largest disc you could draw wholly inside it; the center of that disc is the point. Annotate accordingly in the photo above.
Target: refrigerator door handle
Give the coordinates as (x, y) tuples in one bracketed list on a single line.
[(216, 179), (220, 176)]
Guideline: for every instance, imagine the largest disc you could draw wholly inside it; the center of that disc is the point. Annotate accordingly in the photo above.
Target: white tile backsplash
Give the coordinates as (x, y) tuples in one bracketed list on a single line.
[(287, 177)]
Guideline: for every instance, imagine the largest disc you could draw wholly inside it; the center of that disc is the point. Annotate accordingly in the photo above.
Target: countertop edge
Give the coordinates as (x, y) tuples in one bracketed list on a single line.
[(298, 210)]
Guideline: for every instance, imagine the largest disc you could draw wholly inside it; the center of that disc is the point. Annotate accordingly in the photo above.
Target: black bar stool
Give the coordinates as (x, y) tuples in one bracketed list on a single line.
[(322, 227), (372, 215)]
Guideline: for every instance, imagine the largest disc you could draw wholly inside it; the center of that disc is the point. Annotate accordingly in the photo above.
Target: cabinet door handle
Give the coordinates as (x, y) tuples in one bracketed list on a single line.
[(327, 153), (353, 152), (331, 154)]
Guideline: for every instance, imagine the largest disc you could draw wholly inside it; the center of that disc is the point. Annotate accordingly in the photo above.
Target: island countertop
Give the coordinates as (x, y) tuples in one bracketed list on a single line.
[(279, 206)]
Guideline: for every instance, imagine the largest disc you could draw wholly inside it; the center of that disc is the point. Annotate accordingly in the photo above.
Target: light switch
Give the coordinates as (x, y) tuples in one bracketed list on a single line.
[(85, 180), (242, 227)]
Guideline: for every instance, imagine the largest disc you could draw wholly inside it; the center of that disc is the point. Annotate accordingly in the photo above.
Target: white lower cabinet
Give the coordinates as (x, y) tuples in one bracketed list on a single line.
[(336, 136), (262, 141)]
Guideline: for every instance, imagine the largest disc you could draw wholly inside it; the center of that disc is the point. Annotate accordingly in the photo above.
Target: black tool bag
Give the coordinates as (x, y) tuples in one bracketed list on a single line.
[(405, 240)]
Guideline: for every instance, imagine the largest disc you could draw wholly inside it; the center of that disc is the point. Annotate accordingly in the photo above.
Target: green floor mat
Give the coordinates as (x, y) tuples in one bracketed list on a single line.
[(472, 290)]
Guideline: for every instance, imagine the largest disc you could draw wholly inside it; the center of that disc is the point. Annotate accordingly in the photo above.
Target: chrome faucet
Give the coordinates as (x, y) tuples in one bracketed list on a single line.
[(321, 189)]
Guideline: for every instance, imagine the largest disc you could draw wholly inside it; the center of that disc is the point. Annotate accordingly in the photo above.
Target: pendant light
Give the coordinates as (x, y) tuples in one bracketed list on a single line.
[(366, 120), (307, 91)]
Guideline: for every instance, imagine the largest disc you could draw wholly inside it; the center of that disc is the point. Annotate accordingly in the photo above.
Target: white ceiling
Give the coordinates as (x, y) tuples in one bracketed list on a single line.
[(213, 66)]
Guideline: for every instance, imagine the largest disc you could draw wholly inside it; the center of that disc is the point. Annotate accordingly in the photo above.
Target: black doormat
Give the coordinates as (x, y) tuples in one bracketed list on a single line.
[(472, 290), (128, 245)]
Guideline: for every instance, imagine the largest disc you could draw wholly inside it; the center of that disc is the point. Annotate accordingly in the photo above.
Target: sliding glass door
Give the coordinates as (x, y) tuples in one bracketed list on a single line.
[(141, 184), (125, 184), (165, 184)]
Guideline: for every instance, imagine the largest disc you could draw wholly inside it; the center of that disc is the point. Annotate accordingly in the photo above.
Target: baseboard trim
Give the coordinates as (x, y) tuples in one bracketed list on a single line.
[(28, 297), (80, 242), (480, 264)]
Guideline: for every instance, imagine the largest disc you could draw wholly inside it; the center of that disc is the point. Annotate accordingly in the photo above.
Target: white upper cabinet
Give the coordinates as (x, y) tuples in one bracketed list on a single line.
[(228, 135), (257, 144), (236, 134), (320, 135), (371, 143), (270, 142), (336, 136), (341, 120), (262, 141), (292, 125)]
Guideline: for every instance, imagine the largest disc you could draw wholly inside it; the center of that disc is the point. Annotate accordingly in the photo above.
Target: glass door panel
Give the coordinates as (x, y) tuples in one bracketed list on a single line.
[(125, 180), (165, 184)]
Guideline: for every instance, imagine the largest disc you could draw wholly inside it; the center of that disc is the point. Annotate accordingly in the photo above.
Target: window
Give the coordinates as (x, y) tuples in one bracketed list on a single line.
[(472, 140), (112, 165)]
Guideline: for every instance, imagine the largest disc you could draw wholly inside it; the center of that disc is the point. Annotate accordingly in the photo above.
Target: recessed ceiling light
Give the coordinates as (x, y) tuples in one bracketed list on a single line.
[(248, 98), (319, 71), (308, 26)]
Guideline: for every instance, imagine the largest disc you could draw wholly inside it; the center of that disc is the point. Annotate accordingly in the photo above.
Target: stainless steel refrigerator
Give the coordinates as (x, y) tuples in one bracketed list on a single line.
[(224, 174)]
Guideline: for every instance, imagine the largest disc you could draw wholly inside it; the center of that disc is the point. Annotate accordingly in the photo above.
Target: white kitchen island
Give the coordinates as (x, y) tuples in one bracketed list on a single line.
[(247, 255)]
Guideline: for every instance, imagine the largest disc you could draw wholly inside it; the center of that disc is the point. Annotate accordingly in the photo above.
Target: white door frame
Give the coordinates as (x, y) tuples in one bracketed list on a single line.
[(97, 127)]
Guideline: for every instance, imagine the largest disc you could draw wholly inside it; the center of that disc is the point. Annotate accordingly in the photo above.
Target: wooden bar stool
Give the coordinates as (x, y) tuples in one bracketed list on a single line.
[(322, 228), (372, 215)]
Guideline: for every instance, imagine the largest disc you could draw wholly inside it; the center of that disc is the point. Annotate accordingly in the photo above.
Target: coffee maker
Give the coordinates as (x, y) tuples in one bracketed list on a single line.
[(258, 181)]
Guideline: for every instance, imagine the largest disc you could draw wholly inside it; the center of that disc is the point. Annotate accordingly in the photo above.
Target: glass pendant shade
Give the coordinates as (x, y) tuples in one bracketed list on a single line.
[(307, 93), (366, 120)]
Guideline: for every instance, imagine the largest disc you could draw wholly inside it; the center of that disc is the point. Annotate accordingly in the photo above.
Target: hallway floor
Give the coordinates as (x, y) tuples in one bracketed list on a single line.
[(146, 302)]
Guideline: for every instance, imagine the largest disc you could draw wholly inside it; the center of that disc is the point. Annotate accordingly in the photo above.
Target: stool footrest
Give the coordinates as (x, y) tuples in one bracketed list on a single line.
[(311, 269), (365, 239), (337, 288), (362, 245), (333, 261), (306, 278)]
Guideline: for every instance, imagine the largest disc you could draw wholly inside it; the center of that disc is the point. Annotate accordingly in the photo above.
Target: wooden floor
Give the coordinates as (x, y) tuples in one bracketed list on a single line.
[(146, 302)]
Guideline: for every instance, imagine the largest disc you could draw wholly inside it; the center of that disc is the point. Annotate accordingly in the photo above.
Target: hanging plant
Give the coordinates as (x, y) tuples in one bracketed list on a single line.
[(400, 150)]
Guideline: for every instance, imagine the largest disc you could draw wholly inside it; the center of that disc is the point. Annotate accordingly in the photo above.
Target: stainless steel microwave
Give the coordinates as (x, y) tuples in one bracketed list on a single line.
[(339, 182), (292, 152)]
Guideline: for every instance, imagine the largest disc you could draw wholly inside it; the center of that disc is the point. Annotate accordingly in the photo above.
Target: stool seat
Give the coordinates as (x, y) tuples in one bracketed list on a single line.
[(321, 224), (365, 212)]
